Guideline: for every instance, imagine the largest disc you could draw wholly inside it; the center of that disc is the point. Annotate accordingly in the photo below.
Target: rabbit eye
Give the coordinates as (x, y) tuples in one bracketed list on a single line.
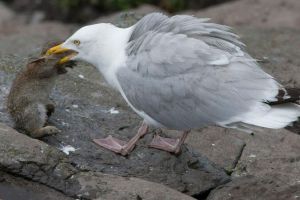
[(76, 42)]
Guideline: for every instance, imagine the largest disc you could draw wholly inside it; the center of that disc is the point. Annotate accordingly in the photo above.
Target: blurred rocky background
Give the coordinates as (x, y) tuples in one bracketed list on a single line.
[(216, 163), (82, 11)]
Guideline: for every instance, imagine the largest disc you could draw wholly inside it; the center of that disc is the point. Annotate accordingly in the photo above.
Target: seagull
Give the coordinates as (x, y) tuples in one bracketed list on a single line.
[(181, 73)]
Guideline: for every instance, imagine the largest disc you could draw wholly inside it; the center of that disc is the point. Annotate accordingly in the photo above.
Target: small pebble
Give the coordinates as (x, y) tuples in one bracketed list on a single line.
[(64, 124), (75, 106), (252, 156), (67, 149), (265, 58), (113, 111), (81, 76)]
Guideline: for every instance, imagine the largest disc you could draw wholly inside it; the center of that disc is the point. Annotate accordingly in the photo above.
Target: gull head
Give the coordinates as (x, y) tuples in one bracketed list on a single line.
[(94, 44)]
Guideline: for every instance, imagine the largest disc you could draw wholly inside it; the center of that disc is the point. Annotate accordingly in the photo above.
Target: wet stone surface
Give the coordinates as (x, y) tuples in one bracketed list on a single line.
[(35, 160)]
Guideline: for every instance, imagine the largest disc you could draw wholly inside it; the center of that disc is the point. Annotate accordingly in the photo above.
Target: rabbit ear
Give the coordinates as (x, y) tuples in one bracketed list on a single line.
[(38, 60)]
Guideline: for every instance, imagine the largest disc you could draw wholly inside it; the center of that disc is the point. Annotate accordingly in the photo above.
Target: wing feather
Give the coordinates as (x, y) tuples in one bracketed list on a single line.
[(187, 73)]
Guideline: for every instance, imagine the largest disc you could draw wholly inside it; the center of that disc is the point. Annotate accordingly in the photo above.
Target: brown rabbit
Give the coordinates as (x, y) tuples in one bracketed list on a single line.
[(28, 101)]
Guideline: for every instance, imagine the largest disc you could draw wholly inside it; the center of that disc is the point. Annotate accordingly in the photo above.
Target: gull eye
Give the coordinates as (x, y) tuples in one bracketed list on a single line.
[(76, 42)]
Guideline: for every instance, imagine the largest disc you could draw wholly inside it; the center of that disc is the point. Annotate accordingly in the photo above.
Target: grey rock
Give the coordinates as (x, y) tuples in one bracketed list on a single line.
[(127, 18), (221, 147), (218, 145), (270, 153), (107, 187), (33, 159), (252, 188), (23, 40), (5, 14), (16, 188), (255, 13), (42, 163), (37, 17)]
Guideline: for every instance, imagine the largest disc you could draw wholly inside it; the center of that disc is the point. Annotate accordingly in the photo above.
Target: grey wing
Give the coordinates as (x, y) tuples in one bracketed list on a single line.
[(183, 82), (213, 34)]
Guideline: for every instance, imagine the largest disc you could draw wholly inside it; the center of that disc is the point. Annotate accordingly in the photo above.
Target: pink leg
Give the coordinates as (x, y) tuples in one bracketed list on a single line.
[(169, 144), (119, 146)]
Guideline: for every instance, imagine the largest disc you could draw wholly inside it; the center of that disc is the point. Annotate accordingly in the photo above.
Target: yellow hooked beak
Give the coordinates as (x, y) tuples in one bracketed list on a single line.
[(58, 50)]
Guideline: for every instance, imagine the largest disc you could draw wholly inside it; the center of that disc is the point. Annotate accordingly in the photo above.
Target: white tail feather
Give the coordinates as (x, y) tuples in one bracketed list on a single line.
[(279, 116)]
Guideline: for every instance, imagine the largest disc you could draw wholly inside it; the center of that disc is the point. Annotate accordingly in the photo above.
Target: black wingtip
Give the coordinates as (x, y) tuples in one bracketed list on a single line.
[(288, 95)]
